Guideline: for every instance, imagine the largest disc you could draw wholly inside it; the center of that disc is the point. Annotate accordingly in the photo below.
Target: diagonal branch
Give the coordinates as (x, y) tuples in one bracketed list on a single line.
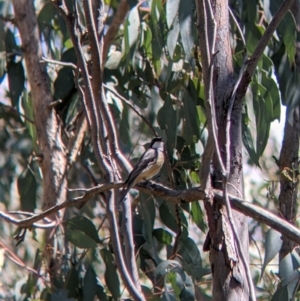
[(107, 125), (117, 21)]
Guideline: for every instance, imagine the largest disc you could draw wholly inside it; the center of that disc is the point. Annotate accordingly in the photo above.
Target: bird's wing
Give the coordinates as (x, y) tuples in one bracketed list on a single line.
[(146, 160)]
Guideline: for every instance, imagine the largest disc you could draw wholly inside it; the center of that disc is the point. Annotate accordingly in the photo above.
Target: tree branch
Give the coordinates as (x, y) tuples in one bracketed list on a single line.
[(107, 125), (133, 107), (117, 21), (174, 196)]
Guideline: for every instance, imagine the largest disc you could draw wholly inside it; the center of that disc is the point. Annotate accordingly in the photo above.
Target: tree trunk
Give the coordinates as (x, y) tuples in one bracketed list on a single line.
[(288, 161), (51, 149), (229, 277)]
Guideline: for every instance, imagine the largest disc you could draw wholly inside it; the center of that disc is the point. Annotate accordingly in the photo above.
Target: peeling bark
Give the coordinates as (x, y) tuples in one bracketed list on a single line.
[(51, 148), (289, 187), (229, 276)]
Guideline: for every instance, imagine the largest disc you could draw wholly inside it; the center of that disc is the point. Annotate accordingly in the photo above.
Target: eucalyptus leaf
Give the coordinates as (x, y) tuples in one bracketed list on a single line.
[(163, 236), (16, 80), (27, 186), (110, 275), (171, 11), (90, 284), (186, 28), (273, 245), (81, 232)]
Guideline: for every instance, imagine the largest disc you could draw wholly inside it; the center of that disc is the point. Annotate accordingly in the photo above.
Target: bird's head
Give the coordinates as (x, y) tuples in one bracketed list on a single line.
[(157, 143)]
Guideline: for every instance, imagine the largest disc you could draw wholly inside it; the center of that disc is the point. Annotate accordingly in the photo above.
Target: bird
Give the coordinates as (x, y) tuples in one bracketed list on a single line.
[(148, 165)]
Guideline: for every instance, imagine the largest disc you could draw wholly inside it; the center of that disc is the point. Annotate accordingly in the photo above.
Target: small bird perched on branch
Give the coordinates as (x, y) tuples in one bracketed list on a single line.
[(147, 167)]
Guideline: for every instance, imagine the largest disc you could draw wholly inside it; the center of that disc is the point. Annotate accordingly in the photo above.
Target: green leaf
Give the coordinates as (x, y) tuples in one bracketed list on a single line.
[(147, 39), (273, 245), (273, 93), (27, 187), (248, 140), (188, 290), (101, 293), (182, 284), (192, 124), (198, 216), (132, 3), (191, 257), (124, 126), (148, 214), (157, 34), (186, 28), (171, 11), (64, 83), (281, 294), (46, 15), (292, 91), (138, 226), (131, 29), (27, 105), (167, 217), (90, 284), (166, 267), (167, 120), (287, 29), (163, 236), (111, 277), (81, 232), (253, 36), (149, 295), (263, 109), (176, 285), (10, 43), (60, 295), (72, 283), (289, 273), (16, 80)]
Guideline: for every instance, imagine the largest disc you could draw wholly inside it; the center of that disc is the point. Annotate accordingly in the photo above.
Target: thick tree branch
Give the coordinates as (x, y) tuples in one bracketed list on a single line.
[(104, 138), (117, 21), (107, 125), (174, 196), (88, 97)]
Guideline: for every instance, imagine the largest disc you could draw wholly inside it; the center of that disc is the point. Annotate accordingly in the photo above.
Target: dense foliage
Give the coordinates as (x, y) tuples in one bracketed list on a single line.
[(153, 83)]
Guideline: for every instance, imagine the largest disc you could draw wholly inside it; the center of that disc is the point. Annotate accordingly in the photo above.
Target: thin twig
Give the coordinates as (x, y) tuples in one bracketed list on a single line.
[(12, 109), (14, 258), (76, 141), (60, 63), (238, 27), (133, 107)]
